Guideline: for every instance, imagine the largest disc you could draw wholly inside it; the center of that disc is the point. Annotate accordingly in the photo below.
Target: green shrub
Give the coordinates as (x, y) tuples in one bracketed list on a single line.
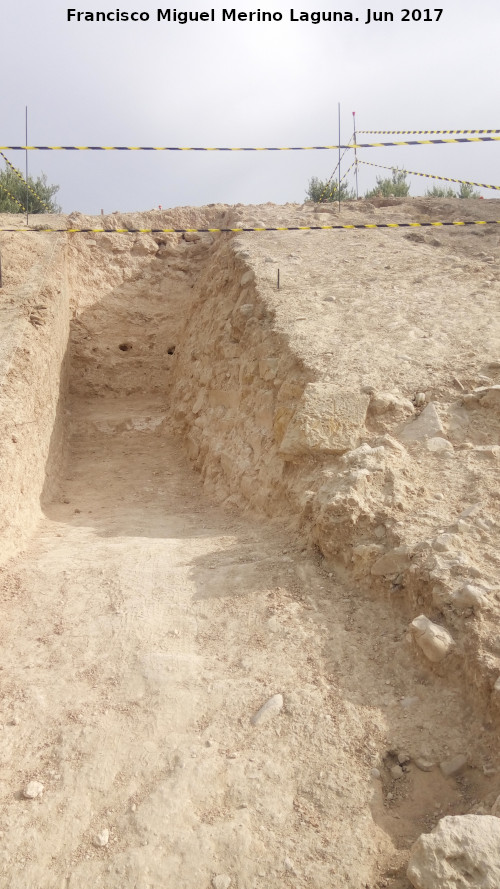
[(394, 187), (468, 191), (17, 188), (440, 191), (321, 191)]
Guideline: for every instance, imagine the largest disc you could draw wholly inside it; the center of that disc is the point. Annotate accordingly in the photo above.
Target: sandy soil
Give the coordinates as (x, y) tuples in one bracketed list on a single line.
[(151, 610)]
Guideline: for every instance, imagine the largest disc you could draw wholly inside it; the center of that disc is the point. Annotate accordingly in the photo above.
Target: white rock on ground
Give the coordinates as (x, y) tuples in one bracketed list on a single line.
[(221, 881), (102, 838), (434, 641), (469, 596), (32, 790), (268, 710), (427, 425), (462, 852), (437, 444)]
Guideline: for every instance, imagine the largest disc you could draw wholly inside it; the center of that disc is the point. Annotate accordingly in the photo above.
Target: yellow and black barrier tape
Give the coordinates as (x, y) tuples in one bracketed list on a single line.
[(11, 196), (421, 132), (294, 148), (431, 176), (23, 180), (324, 200), (283, 228), (348, 171), (328, 182)]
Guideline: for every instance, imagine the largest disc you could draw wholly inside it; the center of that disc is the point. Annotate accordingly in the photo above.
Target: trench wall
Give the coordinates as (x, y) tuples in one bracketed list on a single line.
[(269, 434), (236, 385), (32, 393)]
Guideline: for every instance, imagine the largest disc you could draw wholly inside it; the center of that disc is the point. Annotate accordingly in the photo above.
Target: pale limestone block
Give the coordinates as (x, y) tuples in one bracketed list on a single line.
[(427, 425), (462, 852), (325, 422), (228, 398), (392, 562), (434, 641)]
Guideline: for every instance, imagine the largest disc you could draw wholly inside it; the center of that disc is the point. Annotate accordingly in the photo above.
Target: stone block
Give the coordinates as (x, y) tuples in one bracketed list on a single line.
[(391, 563), (325, 422), (434, 641), (228, 398), (462, 852), (427, 425)]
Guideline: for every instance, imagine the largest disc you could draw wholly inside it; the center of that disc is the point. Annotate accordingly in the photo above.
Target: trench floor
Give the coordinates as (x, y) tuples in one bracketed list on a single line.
[(141, 631)]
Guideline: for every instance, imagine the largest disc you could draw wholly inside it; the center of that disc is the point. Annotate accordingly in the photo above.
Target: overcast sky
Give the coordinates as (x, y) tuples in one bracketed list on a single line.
[(241, 84)]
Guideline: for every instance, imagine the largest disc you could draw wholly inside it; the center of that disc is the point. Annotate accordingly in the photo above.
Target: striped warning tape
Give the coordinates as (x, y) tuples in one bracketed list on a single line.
[(23, 180), (294, 148), (322, 195), (11, 196), (430, 176), (419, 132), (335, 185), (348, 171), (165, 148), (283, 228)]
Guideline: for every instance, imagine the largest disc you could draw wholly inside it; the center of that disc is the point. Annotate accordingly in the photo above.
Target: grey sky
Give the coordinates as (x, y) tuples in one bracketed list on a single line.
[(244, 83)]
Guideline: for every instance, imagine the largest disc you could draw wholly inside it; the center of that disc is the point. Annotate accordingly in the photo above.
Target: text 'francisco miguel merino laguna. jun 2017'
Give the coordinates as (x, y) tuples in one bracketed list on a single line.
[(183, 17)]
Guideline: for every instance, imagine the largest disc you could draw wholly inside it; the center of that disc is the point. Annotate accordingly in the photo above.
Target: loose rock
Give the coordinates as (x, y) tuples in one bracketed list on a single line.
[(393, 562), (102, 838), (462, 852), (388, 402), (271, 708), (427, 425), (445, 542), (221, 881), (434, 641), (437, 444), (33, 790), (452, 767), (469, 596), (425, 765)]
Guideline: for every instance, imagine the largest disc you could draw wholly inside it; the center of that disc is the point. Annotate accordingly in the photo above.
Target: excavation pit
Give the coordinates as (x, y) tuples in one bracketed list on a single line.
[(186, 538)]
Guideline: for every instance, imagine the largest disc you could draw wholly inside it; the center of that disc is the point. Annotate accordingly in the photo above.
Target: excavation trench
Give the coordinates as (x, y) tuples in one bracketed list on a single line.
[(146, 622)]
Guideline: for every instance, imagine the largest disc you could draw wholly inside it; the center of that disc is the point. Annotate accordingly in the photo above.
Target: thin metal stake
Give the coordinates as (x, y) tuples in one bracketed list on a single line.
[(278, 279), (355, 156), (339, 156), (26, 143)]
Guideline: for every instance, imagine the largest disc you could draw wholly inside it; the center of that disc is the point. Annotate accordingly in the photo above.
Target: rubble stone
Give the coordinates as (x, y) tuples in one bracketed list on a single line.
[(462, 852), (434, 641)]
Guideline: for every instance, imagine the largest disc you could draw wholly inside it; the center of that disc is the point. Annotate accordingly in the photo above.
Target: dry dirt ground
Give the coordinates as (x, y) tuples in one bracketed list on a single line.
[(201, 476)]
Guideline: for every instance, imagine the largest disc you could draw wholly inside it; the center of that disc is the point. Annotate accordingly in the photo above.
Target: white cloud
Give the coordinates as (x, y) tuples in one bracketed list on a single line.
[(246, 83)]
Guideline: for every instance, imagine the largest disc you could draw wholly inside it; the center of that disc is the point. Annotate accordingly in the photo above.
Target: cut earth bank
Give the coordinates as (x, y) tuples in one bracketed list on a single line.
[(357, 408)]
